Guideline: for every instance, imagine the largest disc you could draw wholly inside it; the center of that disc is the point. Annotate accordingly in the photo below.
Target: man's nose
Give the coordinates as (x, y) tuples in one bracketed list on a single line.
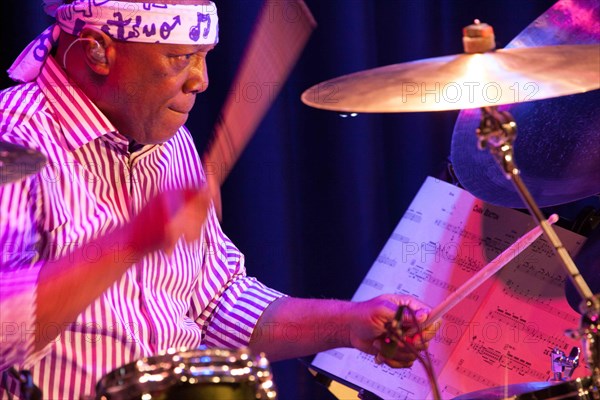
[(197, 81)]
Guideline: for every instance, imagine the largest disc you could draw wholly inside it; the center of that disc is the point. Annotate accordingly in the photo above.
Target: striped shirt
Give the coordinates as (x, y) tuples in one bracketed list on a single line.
[(92, 184)]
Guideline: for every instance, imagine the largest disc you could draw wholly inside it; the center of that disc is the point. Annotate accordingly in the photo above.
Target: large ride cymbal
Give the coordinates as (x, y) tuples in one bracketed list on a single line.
[(17, 162), (557, 148), (463, 81)]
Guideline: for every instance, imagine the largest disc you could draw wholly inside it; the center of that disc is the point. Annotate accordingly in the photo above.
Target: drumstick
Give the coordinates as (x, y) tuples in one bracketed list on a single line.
[(483, 274), (272, 52)]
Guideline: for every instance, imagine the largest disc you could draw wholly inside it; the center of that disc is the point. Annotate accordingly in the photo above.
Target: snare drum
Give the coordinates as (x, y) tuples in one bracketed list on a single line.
[(578, 389), (200, 374)]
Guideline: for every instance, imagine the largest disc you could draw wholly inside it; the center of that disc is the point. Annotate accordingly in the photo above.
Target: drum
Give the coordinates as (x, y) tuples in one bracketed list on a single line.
[(200, 374), (578, 389)]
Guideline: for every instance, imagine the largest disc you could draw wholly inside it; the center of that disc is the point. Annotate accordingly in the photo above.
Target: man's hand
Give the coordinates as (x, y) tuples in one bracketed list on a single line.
[(325, 324), (369, 327), (168, 217)]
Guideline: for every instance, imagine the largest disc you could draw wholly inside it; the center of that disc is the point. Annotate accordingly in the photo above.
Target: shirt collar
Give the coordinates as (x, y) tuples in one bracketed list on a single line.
[(80, 119)]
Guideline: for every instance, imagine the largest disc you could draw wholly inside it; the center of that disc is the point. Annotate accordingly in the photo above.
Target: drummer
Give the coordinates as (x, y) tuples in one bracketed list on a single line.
[(113, 251)]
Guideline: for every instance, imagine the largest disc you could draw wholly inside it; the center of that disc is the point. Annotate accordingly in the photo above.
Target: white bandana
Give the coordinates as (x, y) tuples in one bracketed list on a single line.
[(122, 21)]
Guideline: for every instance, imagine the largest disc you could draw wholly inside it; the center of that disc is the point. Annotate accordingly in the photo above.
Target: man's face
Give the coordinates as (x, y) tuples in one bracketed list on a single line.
[(153, 86)]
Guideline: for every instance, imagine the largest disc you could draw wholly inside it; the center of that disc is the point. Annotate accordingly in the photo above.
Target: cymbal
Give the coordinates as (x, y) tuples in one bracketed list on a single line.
[(463, 81), (557, 148), (531, 391), (503, 392), (17, 162)]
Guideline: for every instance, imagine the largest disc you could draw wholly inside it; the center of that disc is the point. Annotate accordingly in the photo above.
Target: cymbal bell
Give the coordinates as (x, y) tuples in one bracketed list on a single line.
[(17, 162), (463, 81)]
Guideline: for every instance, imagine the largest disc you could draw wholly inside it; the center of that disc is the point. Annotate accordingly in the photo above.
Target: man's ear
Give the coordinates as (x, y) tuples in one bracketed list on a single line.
[(98, 49)]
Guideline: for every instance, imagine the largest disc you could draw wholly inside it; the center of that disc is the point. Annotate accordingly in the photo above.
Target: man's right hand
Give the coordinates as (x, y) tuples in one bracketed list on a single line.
[(168, 217)]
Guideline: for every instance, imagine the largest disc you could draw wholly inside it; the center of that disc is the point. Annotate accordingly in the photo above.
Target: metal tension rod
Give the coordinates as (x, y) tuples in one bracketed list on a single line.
[(497, 133)]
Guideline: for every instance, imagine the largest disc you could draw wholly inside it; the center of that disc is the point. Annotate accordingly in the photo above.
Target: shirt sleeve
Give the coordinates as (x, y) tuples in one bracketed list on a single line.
[(17, 316), (18, 271), (230, 316)]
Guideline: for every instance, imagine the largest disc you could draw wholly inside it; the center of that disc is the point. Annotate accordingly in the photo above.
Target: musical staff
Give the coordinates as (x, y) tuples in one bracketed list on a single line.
[(451, 390), (468, 264), (372, 283), (488, 353), (387, 260), (335, 354), (537, 300), (523, 367), (542, 248), (476, 376), (399, 374), (507, 360), (556, 278), (413, 216), (457, 230), (363, 381), (454, 319), (399, 237), (532, 334), (420, 274)]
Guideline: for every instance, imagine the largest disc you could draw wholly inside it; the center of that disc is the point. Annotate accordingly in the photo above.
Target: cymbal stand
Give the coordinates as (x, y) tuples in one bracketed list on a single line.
[(497, 133)]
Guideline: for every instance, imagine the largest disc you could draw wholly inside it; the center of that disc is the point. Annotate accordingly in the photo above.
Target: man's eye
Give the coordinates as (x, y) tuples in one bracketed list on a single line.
[(183, 58)]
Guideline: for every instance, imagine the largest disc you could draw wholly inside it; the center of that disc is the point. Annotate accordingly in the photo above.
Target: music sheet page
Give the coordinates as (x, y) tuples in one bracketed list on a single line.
[(501, 333)]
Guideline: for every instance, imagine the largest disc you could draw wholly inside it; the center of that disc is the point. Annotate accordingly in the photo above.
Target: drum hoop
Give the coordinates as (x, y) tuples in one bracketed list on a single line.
[(162, 371)]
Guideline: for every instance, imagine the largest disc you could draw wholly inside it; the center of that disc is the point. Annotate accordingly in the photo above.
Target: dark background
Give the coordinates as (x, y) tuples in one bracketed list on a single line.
[(315, 196)]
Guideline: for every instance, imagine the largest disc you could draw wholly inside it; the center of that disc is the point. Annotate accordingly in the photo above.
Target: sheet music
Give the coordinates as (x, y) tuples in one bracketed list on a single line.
[(501, 333)]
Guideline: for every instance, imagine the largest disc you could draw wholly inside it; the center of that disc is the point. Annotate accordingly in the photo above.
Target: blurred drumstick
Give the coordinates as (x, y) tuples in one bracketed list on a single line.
[(281, 32), (483, 274)]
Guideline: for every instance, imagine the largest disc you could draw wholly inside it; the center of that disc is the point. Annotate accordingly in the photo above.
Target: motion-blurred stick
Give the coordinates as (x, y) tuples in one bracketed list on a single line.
[(281, 32)]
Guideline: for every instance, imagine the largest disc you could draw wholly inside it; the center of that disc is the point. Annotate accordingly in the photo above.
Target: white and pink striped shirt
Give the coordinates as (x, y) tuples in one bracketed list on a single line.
[(91, 185)]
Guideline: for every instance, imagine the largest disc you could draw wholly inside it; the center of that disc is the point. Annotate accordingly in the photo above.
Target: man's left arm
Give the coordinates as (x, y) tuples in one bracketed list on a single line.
[(238, 311), (227, 304), (293, 327)]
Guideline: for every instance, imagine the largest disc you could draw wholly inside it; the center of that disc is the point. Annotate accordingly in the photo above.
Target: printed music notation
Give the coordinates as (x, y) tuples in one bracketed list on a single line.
[(457, 230), (542, 248), (499, 334), (531, 331), (455, 319), (538, 301), (374, 386), (335, 353), (420, 274), (414, 216), (488, 354), (399, 238), (468, 264), (400, 374), (451, 390), (372, 283), (539, 272), (508, 361), (476, 376), (523, 367)]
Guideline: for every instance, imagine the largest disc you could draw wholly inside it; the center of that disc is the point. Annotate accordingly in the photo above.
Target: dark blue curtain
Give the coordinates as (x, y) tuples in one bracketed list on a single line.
[(315, 196)]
